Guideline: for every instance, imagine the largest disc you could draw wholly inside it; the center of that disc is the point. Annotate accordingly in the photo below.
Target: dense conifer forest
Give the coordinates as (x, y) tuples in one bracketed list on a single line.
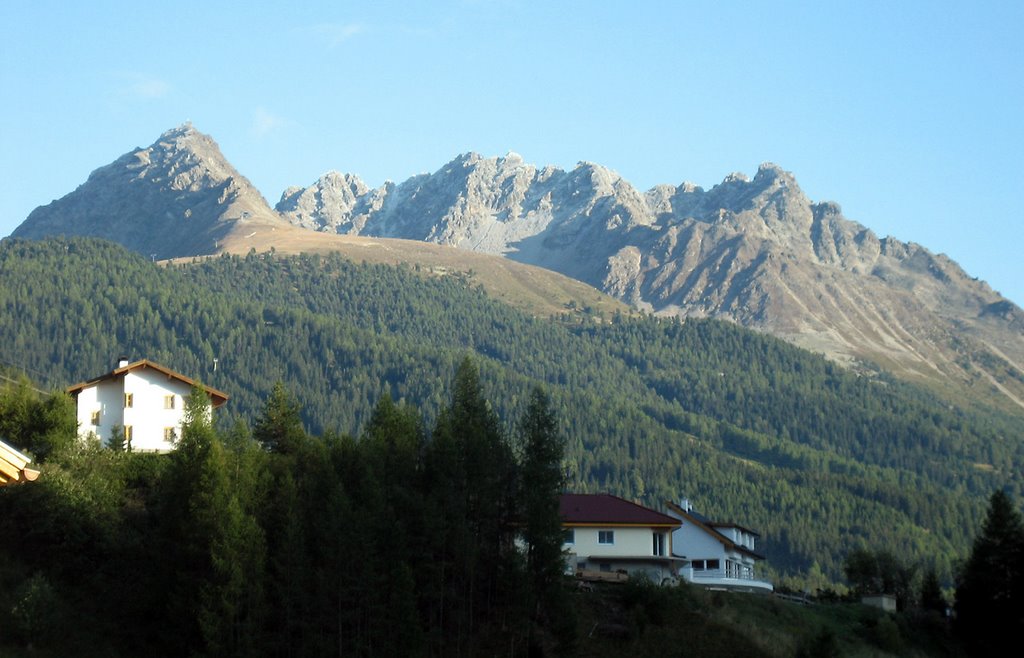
[(271, 542), (819, 459)]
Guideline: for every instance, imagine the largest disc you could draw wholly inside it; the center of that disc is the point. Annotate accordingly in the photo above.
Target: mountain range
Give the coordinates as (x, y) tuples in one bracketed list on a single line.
[(755, 250)]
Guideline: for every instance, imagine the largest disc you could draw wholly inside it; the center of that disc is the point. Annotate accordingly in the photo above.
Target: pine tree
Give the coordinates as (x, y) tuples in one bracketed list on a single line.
[(542, 481), (43, 425), (217, 550), (279, 427), (932, 599), (990, 590), (471, 478)]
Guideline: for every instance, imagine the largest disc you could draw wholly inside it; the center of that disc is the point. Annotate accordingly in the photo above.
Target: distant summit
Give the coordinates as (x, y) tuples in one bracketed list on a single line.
[(177, 197), (755, 250)]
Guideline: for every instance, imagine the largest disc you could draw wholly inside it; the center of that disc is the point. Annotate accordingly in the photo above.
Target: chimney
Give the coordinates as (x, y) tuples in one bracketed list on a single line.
[(685, 504), (122, 361)]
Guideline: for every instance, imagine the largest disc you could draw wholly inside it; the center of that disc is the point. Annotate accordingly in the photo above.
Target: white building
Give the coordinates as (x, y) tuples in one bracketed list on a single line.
[(144, 399), (607, 534), (717, 555)]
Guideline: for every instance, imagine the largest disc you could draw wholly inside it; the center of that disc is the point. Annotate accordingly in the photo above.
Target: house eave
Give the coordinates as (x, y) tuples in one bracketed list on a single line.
[(217, 398), (635, 558), (614, 524), (713, 532)]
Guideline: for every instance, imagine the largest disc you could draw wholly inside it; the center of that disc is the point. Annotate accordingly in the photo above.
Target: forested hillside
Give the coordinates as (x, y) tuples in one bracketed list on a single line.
[(750, 428), (273, 543)]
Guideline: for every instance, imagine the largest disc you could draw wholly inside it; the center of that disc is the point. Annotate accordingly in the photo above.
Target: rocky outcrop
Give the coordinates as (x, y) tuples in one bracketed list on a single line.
[(755, 251), (177, 197)]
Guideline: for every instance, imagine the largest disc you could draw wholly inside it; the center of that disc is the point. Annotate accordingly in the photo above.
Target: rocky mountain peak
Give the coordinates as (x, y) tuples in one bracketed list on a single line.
[(512, 159), (755, 251), (772, 170), (175, 197), (601, 180), (184, 131)]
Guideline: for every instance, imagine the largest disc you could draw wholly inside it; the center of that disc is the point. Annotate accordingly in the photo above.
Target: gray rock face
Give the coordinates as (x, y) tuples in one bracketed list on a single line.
[(177, 197), (755, 251)]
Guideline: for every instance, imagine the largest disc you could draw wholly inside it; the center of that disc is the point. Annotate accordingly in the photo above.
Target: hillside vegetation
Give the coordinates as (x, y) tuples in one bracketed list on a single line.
[(750, 428)]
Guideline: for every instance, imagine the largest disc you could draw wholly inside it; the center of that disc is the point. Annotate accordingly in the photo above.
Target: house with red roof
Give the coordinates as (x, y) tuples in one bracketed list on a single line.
[(717, 555), (142, 399), (605, 534)]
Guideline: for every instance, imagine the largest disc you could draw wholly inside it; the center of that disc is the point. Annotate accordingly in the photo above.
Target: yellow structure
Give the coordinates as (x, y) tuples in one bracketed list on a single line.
[(14, 466)]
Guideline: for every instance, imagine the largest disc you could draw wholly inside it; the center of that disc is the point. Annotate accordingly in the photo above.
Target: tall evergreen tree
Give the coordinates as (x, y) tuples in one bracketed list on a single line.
[(990, 590), (217, 549), (542, 480), (279, 427), (476, 506), (932, 599), (42, 424)]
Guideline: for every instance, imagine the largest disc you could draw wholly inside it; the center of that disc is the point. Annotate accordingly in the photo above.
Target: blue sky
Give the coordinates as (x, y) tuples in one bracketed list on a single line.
[(908, 114)]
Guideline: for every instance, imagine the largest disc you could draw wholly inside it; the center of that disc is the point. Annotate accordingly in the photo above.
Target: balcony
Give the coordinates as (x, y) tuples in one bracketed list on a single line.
[(742, 581)]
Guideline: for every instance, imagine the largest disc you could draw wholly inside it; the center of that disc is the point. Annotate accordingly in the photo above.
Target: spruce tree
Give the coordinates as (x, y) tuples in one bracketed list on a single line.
[(279, 427), (932, 599), (476, 506), (990, 590), (541, 483)]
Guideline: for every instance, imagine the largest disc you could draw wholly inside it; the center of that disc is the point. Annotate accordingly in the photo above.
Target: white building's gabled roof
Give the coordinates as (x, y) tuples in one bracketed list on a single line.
[(217, 398), (711, 528)]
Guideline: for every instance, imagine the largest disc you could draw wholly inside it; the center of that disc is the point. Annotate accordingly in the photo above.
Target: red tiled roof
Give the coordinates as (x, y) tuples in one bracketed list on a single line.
[(605, 509), (217, 398)]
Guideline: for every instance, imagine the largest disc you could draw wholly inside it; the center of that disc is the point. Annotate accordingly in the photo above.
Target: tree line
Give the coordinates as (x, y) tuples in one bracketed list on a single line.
[(401, 541), (750, 428), (987, 606)]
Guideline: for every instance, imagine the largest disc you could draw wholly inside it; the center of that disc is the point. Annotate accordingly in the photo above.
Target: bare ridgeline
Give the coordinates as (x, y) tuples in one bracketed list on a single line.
[(754, 251)]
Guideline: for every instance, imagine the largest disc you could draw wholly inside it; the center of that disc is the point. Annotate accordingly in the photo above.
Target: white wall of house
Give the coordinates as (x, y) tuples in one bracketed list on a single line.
[(695, 544), (148, 416), (734, 568), (105, 399), (737, 535), (699, 547)]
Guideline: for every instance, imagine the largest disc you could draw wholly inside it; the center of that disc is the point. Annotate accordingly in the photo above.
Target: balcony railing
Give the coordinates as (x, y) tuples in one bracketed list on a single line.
[(739, 580), (720, 573)]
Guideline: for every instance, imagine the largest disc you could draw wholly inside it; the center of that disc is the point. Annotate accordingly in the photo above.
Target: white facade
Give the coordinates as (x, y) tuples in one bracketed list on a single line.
[(145, 400), (717, 555)]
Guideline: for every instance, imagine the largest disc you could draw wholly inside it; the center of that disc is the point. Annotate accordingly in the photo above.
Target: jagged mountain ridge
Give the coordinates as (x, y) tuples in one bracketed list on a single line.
[(756, 251), (180, 197)]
